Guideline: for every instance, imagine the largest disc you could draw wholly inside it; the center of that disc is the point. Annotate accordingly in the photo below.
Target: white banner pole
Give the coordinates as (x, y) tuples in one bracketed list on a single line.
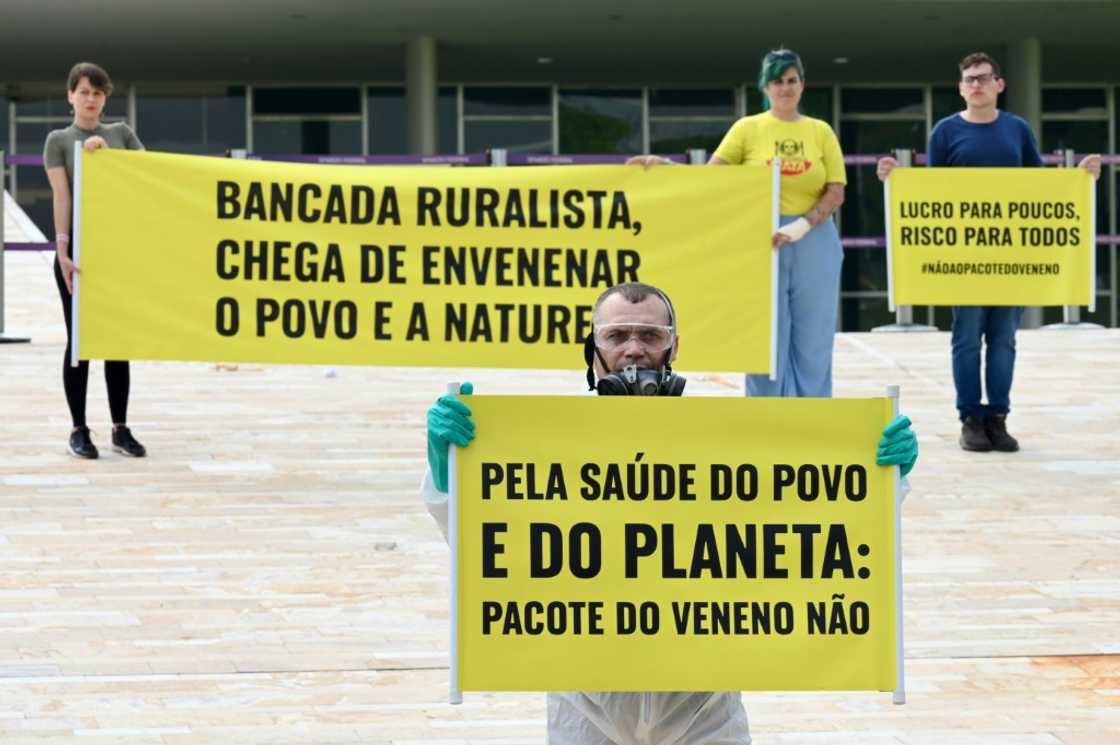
[(893, 393), (887, 232), (455, 694), (775, 223), (75, 254)]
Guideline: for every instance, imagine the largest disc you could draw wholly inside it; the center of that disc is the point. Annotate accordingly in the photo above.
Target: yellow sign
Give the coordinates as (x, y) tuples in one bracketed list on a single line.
[(201, 258), (990, 236), (675, 544)]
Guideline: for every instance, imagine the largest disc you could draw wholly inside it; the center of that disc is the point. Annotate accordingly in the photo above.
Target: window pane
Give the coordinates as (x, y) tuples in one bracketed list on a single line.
[(1082, 137), (1055, 314), (200, 124), (307, 101), (881, 101), (946, 102), (754, 100), (35, 197), (817, 103), (864, 314), (864, 269), (862, 213), (676, 137), (593, 121), (511, 101), (307, 137), (4, 144), (448, 120), (388, 121), (517, 137), (225, 119), (30, 137), (1104, 268), (692, 102), (1075, 101)]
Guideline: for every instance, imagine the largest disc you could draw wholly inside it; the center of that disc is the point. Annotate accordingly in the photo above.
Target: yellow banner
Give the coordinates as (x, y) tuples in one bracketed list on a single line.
[(200, 258), (674, 544), (990, 236)]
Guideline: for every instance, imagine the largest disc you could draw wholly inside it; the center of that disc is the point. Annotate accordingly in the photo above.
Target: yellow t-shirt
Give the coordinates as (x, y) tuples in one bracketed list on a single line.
[(808, 148)]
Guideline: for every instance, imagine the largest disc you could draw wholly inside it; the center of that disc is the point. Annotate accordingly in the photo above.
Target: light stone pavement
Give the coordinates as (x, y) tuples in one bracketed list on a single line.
[(270, 575)]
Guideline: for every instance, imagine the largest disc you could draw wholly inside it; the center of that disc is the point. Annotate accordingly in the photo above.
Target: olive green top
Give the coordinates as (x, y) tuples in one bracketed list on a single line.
[(59, 150)]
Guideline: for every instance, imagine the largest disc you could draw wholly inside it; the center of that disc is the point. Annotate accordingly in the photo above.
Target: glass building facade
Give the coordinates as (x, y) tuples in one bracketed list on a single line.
[(356, 119)]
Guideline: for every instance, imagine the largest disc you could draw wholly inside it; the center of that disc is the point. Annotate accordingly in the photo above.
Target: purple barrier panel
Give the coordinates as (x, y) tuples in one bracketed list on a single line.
[(1056, 159), (863, 160), (476, 159), (23, 160), (528, 159), (29, 247), (863, 242), (873, 242)]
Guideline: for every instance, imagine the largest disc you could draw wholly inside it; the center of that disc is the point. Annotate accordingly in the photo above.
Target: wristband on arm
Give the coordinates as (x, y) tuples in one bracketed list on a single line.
[(796, 230)]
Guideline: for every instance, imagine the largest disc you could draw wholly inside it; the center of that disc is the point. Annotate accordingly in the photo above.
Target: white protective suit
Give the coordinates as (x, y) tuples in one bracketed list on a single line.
[(596, 718)]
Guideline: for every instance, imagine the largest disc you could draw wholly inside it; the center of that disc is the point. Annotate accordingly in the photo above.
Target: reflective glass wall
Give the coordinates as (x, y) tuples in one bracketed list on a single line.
[(201, 120), (359, 119), (32, 114), (873, 120), (1077, 118)]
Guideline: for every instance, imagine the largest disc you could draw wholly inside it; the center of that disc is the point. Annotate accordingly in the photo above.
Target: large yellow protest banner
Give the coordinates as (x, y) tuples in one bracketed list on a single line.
[(199, 258), (675, 544), (990, 236)]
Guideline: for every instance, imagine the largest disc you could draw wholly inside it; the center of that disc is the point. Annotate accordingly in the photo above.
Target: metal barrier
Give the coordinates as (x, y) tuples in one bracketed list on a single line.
[(1071, 314), (903, 314), (475, 159), (5, 338)]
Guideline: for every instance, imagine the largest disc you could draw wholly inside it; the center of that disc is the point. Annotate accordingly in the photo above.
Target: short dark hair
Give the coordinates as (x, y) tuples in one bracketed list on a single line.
[(636, 292), (979, 58), (98, 78)]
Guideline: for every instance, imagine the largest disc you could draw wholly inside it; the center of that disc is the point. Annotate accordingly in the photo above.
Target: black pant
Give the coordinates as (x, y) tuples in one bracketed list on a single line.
[(75, 380)]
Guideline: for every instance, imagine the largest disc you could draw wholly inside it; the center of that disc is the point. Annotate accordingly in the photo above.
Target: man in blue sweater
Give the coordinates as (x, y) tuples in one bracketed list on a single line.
[(984, 136)]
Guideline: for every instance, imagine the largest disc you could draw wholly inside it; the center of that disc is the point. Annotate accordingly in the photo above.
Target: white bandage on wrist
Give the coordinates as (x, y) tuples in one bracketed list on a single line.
[(797, 229)]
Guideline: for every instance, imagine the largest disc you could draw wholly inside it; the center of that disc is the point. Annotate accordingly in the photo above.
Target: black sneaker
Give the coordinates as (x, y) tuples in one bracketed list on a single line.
[(974, 436), (996, 428), (125, 444), (81, 446)]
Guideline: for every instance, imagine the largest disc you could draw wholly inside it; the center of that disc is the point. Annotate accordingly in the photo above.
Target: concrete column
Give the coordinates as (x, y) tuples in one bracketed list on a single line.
[(1023, 71), (422, 95)]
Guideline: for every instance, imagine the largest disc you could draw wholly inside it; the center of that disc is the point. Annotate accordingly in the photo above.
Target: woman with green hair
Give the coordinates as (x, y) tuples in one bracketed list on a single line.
[(812, 188), (809, 258)]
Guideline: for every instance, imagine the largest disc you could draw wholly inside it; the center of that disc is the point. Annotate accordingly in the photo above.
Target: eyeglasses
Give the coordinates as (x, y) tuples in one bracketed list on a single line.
[(614, 335), (979, 79)]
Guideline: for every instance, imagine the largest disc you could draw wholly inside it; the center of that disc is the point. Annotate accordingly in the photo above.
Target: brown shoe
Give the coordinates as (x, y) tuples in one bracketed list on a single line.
[(974, 436), (996, 427)]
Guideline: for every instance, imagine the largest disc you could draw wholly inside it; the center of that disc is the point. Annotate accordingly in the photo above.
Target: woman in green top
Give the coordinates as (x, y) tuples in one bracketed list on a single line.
[(87, 88)]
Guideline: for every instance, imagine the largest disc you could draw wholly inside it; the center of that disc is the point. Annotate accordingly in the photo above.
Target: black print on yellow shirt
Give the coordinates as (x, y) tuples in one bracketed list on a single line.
[(792, 153)]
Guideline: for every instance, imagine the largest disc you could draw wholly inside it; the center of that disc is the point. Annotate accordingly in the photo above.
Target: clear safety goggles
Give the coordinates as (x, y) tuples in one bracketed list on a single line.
[(652, 337)]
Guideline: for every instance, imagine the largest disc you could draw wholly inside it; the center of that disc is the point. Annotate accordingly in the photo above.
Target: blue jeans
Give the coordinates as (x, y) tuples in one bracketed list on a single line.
[(997, 326), (808, 289)]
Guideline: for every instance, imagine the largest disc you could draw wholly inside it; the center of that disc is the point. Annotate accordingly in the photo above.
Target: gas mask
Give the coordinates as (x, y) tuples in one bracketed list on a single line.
[(632, 380)]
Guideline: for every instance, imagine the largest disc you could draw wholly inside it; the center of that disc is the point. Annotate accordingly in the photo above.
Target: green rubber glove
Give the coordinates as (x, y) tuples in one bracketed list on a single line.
[(449, 421), (899, 446)]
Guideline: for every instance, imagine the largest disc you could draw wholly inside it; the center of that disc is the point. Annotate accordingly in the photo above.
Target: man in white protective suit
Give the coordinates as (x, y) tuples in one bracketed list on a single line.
[(630, 352)]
